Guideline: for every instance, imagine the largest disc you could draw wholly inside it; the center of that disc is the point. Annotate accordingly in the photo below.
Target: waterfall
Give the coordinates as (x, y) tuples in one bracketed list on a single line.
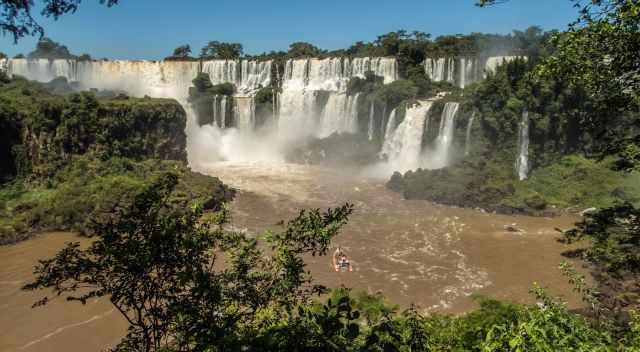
[(215, 110), (404, 146), (274, 104), (522, 162), (220, 110), (451, 67), (388, 133), (435, 69), (469, 69), (221, 71), (4, 65), (466, 71), (298, 112), (154, 78), (340, 114), (382, 66), (371, 116), (383, 120), (223, 112), (244, 113), (43, 70), (164, 79), (441, 155), (254, 75), (247, 75), (352, 113), (314, 96), (467, 143)]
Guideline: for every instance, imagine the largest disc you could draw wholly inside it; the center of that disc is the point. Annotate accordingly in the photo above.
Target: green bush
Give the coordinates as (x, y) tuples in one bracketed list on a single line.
[(90, 189)]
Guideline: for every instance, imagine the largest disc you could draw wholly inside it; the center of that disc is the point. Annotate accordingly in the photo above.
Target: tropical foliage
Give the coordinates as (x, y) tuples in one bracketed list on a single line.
[(67, 159)]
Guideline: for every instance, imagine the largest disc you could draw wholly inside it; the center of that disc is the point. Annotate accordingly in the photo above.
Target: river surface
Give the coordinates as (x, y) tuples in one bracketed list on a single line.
[(412, 251)]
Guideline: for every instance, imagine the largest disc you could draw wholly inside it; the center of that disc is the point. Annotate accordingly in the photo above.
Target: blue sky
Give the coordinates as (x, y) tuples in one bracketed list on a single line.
[(150, 29)]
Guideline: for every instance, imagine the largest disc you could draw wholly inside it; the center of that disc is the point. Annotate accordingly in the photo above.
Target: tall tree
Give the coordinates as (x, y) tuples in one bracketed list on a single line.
[(182, 51), (221, 50), (303, 49), (48, 49)]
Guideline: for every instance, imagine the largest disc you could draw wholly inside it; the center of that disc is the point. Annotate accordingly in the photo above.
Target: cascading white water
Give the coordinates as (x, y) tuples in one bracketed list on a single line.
[(440, 69), (245, 112), (333, 73), (221, 71), (43, 70), (223, 112), (154, 78), (340, 114), (274, 104), (464, 70), (522, 162), (165, 79), (383, 121), (381, 66), (372, 113), (247, 75), (4, 65), (254, 75), (298, 112), (306, 80), (404, 146), (388, 133), (467, 143), (440, 157), (216, 120)]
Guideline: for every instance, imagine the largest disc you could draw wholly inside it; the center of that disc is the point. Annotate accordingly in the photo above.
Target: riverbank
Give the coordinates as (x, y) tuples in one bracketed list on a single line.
[(567, 186)]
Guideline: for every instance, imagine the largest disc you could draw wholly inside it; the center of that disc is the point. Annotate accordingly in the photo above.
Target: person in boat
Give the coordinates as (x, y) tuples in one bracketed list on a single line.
[(341, 262)]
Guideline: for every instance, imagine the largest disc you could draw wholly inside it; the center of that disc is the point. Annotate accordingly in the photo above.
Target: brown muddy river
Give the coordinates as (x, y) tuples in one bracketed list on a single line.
[(412, 251)]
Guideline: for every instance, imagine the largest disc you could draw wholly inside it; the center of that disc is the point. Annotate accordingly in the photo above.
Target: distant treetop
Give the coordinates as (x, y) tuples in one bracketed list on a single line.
[(48, 49)]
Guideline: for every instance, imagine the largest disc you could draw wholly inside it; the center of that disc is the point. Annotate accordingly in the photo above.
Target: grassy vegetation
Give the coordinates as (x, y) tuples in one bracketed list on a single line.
[(577, 182), (89, 189), (573, 182)]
